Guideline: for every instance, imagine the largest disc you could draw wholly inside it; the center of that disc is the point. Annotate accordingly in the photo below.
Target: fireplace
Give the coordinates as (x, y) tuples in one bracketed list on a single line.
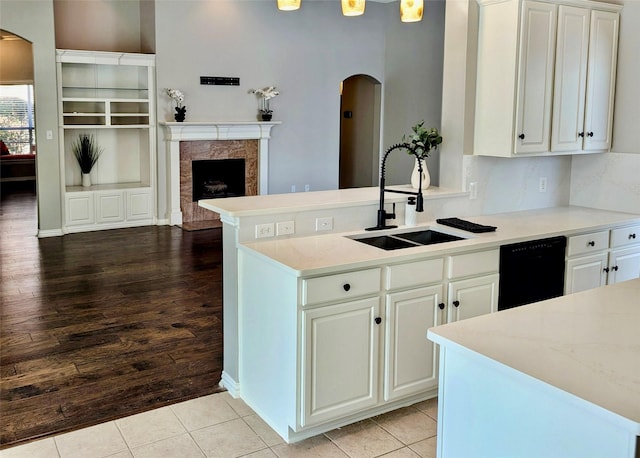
[(218, 179), (194, 141)]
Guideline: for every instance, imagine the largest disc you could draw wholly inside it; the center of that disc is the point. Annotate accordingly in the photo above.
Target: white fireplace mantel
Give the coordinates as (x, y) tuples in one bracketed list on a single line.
[(176, 132)]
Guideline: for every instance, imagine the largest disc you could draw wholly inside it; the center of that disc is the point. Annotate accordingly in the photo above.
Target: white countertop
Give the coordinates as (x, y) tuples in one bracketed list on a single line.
[(317, 200), (323, 253), (586, 344)]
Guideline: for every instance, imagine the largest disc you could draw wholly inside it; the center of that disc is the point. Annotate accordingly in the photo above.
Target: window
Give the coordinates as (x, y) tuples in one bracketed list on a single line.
[(17, 128)]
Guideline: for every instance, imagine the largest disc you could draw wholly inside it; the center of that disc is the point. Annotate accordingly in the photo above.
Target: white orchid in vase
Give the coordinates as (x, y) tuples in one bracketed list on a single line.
[(178, 97), (265, 94)]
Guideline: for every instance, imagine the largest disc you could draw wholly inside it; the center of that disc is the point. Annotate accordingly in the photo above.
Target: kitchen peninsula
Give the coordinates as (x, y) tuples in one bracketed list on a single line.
[(558, 378), (326, 330)]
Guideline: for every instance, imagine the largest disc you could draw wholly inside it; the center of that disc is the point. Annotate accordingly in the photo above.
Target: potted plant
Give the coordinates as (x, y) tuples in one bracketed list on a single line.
[(87, 153), (422, 141), (265, 94), (178, 97)]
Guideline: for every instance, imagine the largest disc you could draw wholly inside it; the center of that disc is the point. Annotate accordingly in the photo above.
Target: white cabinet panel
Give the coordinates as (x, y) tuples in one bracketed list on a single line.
[(585, 272), (603, 51), (415, 273), (411, 359), (79, 209), (473, 297), (570, 79), (624, 265), (139, 205), (535, 85), (340, 360), (342, 286), (109, 207)]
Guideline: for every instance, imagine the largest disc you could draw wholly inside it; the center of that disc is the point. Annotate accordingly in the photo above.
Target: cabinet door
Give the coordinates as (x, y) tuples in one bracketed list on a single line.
[(585, 273), (570, 80), (340, 360), (79, 208), (139, 205), (473, 297), (624, 265), (603, 45), (110, 207), (410, 360), (535, 80)]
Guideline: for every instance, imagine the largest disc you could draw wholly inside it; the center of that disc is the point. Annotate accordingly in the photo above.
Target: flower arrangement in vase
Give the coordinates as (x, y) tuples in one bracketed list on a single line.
[(178, 97), (87, 153), (422, 141), (265, 95)]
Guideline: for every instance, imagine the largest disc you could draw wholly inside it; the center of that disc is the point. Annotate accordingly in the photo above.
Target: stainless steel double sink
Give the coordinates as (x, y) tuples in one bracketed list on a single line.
[(407, 239)]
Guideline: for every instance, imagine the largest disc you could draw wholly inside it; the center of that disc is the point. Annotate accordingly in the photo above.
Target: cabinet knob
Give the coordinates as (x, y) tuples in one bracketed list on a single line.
[(580, 134), (441, 305), (521, 136), (346, 286), (606, 270), (590, 134), (378, 320), (614, 268), (632, 236), (456, 303), (591, 243)]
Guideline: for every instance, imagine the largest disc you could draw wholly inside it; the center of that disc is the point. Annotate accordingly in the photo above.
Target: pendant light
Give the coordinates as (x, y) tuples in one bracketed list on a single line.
[(352, 7), (288, 5), (411, 10)]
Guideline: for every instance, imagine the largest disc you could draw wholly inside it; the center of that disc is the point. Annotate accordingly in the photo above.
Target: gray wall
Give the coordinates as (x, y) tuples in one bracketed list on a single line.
[(306, 54), (33, 21)]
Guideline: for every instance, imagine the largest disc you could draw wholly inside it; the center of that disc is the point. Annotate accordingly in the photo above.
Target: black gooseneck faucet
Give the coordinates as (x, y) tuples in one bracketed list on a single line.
[(383, 216)]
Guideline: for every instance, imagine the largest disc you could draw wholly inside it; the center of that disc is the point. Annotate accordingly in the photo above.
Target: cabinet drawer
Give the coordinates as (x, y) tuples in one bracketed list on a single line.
[(588, 243), (414, 274), (340, 286), (468, 264), (625, 236)]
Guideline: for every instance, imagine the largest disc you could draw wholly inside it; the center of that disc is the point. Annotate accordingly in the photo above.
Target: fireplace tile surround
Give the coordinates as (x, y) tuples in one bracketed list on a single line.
[(207, 140)]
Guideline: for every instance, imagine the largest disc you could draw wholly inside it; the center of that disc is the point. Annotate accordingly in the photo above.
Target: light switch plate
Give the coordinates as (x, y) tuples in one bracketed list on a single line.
[(285, 228), (324, 224)]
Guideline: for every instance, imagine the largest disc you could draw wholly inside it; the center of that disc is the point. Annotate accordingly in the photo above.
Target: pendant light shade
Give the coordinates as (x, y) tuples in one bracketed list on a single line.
[(353, 7), (288, 5), (411, 10)]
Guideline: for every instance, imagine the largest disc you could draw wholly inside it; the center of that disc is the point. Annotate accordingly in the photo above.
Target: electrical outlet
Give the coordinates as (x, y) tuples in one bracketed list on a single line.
[(307, 187), (285, 228), (473, 190), (324, 224), (264, 230), (542, 185), (293, 188)]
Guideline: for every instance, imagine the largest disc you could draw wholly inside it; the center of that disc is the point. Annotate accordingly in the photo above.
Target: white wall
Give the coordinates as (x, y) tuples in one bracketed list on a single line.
[(33, 21), (612, 181)]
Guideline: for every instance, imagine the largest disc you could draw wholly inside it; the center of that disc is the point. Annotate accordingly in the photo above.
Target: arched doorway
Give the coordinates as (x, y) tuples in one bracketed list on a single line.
[(360, 106), (17, 117)]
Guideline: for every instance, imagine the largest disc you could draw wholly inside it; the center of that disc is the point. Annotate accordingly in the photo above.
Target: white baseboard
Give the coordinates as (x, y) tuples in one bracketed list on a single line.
[(49, 233), (230, 385)]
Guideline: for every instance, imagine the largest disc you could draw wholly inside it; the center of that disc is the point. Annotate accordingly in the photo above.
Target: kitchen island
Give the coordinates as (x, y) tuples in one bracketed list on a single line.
[(558, 378)]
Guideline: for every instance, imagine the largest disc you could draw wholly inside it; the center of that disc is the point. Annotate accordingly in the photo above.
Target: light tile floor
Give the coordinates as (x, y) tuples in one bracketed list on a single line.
[(221, 426)]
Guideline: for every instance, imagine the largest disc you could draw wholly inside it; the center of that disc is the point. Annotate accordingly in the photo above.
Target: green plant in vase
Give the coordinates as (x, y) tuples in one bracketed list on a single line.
[(422, 141), (87, 152)]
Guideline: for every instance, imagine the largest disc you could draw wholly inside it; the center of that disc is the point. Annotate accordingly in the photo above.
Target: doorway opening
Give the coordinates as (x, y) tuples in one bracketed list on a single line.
[(360, 111), (17, 117)]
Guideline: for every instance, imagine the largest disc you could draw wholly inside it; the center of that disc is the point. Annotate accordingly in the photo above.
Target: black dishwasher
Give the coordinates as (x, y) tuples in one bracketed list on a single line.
[(531, 271)]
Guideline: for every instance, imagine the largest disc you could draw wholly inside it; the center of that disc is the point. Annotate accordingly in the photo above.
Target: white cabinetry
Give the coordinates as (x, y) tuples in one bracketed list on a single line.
[(109, 96), (600, 258), (410, 360), (473, 284), (545, 77)]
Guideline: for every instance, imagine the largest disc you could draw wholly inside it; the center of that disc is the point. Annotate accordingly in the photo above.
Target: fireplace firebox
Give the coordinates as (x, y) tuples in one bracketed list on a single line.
[(218, 178)]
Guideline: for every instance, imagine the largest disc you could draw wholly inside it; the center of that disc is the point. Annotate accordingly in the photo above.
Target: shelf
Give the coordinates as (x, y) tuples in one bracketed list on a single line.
[(104, 126), (107, 187)]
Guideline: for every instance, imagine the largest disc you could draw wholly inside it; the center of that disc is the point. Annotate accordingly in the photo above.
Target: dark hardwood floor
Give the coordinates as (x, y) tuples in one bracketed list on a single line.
[(100, 325)]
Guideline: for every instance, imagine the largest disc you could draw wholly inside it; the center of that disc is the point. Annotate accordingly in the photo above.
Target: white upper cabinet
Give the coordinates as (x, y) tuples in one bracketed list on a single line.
[(535, 82), (545, 77)]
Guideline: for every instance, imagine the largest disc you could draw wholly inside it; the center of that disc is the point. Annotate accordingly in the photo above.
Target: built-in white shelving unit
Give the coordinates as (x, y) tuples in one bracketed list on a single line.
[(110, 96)]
